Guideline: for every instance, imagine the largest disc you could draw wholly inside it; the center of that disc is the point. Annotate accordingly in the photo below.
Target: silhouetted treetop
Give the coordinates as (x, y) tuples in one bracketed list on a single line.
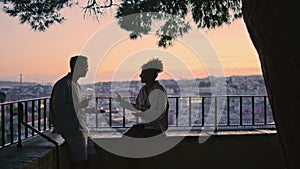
[(41, 14), (136, 16)]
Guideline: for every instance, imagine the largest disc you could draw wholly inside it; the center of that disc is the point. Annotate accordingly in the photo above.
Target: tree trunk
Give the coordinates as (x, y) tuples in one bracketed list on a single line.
[(273, 27)]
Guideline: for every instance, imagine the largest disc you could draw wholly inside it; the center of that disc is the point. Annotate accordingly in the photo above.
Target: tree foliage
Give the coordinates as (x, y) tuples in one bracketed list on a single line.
[(136, 16), (39, 14), (207, 14)]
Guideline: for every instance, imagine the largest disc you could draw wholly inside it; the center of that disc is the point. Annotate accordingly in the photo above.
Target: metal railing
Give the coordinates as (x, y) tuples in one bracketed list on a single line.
[(238, 112), (35, 113), (230, 112), (36, 121)]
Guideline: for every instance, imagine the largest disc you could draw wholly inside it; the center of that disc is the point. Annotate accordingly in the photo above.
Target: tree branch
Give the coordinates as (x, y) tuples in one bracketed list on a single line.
[(93, 8)]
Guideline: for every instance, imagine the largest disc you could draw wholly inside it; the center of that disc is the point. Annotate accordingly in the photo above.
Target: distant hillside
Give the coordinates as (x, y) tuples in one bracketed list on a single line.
[(14, 83), (211, 78)]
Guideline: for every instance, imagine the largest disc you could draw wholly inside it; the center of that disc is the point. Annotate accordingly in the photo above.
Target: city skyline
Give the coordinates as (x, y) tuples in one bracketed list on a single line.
[(44, 56)]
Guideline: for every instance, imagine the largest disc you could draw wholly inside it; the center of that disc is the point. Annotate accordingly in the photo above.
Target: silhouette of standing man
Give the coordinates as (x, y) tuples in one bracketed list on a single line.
[(151, 104), (68, 114)]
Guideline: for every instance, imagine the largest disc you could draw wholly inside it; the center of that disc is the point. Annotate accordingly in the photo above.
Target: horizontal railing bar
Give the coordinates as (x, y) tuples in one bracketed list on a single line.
[(25, 100), (184, 97)]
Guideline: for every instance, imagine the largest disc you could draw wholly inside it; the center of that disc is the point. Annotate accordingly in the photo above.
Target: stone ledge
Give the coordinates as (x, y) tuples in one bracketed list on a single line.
[(36, 152), (232, 150), (180, 133)]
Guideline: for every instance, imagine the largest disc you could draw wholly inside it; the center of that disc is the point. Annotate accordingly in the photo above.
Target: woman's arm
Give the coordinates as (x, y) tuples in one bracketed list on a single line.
[(125, 104)]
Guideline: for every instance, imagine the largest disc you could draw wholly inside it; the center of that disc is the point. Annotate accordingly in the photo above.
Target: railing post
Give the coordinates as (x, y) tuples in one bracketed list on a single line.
[(11, 122), (39, 115), (190, 111), (45, 114), (216, 114), (253, 107), (98, 108), (32, 116), (177, 105), (124, 118), (228, 110), (50, 115), (20, 118), (26, 118), (241, 110), (3, 125), (203, 119), (110, 115), (265, 110)]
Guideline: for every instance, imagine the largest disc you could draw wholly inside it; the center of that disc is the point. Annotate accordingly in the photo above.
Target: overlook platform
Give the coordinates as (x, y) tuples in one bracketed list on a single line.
[(244, 138)]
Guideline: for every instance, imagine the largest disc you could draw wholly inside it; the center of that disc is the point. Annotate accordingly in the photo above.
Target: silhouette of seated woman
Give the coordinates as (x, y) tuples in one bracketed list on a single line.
[(151, 104)]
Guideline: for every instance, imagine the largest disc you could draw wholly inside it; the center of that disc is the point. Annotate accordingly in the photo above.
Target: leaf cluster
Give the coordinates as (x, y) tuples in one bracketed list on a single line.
[(214, 13), (39, 14), (137, 16)]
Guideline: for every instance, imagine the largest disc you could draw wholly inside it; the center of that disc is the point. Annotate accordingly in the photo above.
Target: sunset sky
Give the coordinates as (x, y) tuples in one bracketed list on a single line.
[(43, 56)]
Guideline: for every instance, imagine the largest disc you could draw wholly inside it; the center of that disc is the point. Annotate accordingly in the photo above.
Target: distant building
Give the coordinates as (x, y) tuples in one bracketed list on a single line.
[(2, 97)]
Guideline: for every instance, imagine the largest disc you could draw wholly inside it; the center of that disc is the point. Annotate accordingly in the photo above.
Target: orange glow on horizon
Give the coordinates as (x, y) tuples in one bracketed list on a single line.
[(44, 56)]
